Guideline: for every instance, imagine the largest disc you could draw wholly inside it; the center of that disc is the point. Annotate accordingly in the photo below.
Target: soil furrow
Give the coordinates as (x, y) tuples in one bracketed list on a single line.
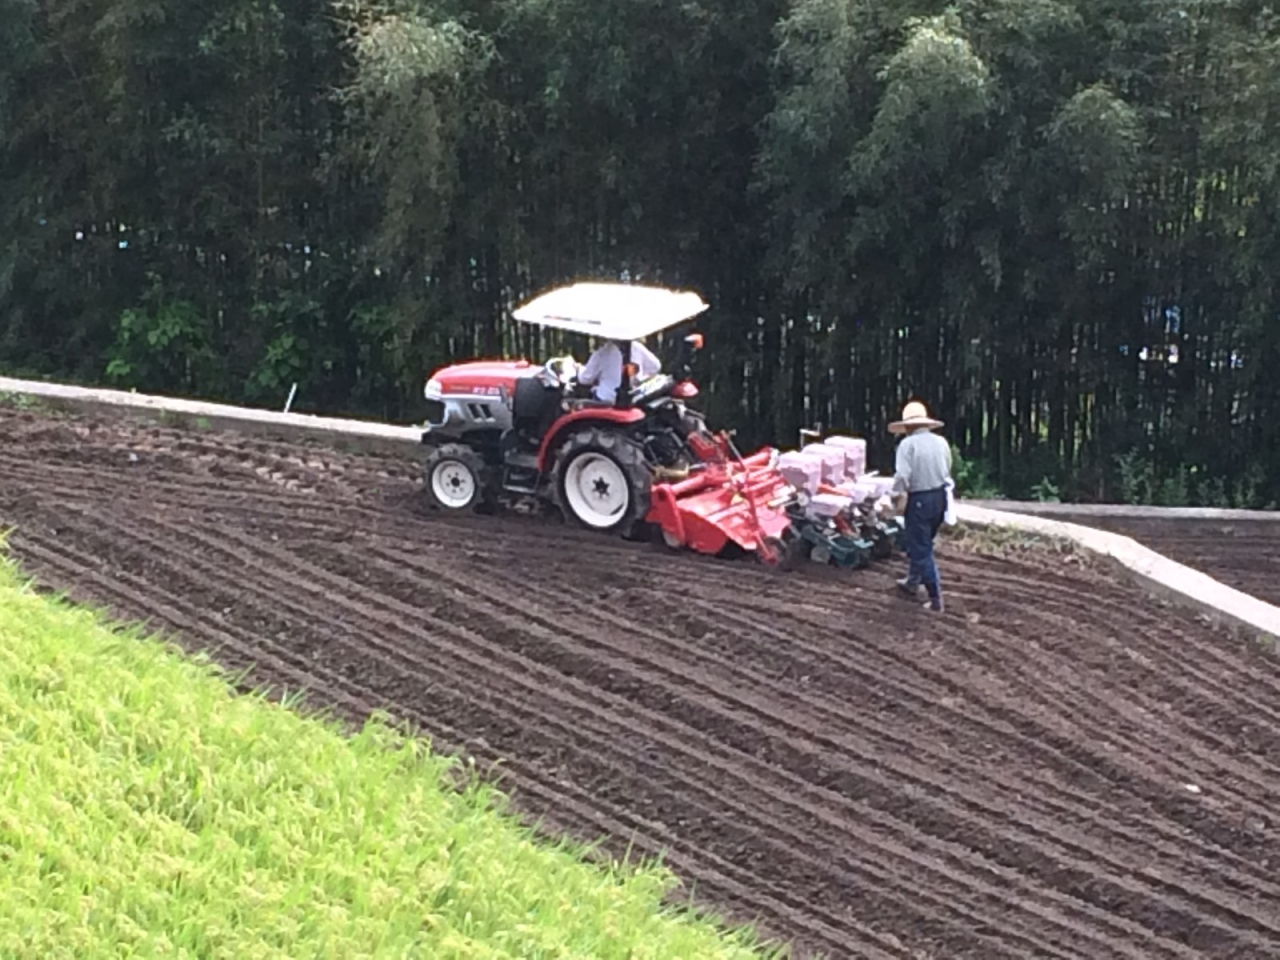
[(485, 698), (794, 746), (306, 679), (1100, 848), (1005, 780)]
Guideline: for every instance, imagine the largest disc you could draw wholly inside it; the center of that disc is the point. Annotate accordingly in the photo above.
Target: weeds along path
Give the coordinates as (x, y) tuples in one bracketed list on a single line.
[(1058, 768)]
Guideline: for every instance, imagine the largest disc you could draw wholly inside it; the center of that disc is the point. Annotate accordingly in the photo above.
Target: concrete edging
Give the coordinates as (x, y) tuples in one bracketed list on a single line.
[(1149, 569), (1126, 511), (342, 433)]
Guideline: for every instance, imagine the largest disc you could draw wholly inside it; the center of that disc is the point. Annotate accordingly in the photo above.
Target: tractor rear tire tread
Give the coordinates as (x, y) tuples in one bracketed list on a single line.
[(629, 454)]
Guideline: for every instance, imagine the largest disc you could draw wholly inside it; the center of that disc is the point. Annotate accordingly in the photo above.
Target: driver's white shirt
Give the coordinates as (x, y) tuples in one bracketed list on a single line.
[(604, 368)]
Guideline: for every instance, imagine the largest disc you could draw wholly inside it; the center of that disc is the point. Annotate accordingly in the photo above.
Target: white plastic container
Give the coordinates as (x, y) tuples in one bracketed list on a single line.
[(833, 461), (833, 451), (856, 454), (864, 491), (803, 471), (828, 504), (882, 485)]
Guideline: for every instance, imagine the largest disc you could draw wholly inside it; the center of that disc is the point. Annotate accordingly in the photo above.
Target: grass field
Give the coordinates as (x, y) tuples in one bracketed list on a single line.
[(148, 810)]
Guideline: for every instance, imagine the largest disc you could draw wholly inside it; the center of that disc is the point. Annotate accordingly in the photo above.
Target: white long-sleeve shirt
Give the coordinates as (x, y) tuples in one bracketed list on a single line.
[(604, 368), (923, 463)]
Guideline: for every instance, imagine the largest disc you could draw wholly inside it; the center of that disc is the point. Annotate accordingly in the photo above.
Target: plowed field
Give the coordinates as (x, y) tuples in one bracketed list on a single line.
[(1241, 554), (1056, 768)]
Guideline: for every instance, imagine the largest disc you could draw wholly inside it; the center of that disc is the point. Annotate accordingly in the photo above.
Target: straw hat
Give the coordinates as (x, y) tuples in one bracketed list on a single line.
[(914, 415)]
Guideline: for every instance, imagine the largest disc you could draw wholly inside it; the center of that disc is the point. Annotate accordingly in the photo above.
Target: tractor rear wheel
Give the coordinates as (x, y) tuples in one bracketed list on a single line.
[(601, 481), (456, 478)]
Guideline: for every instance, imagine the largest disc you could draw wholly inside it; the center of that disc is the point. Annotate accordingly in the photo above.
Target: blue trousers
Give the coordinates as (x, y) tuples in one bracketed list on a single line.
[(925, 510)]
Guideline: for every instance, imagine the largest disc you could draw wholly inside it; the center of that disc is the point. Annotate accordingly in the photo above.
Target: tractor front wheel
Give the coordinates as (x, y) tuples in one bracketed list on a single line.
[(602, 480), (455, 478)]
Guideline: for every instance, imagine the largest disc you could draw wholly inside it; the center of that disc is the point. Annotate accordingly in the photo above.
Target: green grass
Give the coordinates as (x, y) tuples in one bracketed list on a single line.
[(25, 401), (147, 810)]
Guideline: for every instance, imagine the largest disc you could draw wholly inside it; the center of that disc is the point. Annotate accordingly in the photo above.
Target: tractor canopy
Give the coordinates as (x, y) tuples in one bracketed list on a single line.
[(614, 311), (480, 397)]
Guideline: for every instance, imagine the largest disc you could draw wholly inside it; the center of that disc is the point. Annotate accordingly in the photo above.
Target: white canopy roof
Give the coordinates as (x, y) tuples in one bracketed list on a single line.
[(615, 311)]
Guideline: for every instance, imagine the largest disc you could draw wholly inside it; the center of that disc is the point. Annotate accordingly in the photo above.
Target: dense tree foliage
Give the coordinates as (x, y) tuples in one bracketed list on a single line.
[(1054, 220)]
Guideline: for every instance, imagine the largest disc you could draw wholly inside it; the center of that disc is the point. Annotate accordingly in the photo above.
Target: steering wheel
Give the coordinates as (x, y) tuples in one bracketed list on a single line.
[(560, 370)]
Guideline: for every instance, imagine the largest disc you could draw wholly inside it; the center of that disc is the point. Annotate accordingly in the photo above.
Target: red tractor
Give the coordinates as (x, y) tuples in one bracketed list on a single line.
[(642, 460), (515, 429)]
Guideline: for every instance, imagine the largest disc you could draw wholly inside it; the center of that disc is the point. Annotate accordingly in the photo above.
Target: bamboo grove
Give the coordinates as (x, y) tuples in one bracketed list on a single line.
[(1053, 220)]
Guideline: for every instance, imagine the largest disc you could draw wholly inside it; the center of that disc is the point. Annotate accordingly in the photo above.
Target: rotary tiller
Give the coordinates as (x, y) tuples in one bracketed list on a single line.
[(727, 503), (782, 508)]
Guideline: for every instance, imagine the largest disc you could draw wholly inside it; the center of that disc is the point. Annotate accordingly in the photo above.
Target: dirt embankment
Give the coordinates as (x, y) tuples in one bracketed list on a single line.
[(1056, 769)]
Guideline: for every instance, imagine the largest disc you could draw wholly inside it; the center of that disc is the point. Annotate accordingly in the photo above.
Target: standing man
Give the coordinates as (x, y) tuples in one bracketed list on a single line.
[(922, 475)]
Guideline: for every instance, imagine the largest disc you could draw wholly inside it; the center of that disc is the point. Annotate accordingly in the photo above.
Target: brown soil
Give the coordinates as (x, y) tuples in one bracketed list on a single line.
[(1008, 780), (1241, 554)]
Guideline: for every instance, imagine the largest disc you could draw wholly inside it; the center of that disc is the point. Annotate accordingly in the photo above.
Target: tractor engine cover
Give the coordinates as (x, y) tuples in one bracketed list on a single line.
[(473, 396)]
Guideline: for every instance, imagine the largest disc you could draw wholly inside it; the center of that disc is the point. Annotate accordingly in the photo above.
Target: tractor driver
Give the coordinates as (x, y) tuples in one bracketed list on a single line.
[(603, 371)]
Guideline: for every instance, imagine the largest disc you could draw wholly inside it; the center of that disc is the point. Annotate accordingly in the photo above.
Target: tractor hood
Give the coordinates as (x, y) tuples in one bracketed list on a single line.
[(479, 378)]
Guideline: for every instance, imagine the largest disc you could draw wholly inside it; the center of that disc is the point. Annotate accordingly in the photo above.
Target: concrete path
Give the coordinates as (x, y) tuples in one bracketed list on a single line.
[(343, 433), (1126, 511)]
